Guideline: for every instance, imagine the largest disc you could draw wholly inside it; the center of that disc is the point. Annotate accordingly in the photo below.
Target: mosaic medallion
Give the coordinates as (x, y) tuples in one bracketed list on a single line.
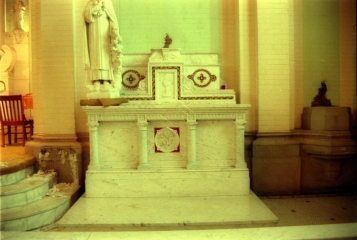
[(167, 140), (202, 78), (131, 79)]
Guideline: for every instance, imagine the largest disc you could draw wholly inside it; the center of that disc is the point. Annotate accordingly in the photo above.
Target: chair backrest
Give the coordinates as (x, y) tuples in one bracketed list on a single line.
[(11, 110)]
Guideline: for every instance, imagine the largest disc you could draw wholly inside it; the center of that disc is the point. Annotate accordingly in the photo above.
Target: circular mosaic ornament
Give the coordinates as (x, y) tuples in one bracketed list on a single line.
[(167, 140)]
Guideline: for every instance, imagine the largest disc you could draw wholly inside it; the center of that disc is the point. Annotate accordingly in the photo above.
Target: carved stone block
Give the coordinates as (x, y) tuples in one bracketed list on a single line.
[(327, 118)]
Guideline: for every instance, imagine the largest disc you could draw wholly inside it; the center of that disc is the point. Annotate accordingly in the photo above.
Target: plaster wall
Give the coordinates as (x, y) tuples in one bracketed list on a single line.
[(273, 66), (230, 44), (248, 55), (347, 43), (194, 25), (321, 49), (268, 47), (297, 63), (52, 64), (197, 27), (35, 61)]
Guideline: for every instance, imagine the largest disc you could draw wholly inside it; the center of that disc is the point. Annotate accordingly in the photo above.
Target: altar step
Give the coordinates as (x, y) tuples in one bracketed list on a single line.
[(25, 203), (26, 191), (166, 213)]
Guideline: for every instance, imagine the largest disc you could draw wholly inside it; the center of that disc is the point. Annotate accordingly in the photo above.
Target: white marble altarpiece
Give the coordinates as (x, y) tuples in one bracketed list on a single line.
[(173, 155), (180, 134)]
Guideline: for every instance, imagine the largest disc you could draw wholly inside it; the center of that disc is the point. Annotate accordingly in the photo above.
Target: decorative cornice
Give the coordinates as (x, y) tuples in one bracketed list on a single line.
[(121, 117), (216, 116), (155, 114)]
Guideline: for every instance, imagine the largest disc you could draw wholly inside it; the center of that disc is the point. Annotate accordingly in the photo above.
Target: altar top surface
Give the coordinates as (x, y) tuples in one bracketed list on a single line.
[(174, 104), (175, 110)]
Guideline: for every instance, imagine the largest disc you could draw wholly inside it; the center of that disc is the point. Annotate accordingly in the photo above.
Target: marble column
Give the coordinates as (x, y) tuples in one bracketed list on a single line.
[(143, 146), (239, 132), (55, 102), (191, 146), (239, 138), (94, 150)]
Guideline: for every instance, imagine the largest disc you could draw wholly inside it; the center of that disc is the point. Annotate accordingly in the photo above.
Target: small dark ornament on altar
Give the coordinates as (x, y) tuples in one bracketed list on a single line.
[(168, 41), (320, 99)]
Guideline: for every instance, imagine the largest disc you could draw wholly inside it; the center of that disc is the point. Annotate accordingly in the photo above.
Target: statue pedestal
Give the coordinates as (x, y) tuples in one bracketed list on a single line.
[(328, 160), (327, 118)]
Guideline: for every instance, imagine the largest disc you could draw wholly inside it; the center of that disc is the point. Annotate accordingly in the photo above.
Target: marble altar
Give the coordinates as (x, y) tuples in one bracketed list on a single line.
[(178, 140), (181, 135), (168, 150)]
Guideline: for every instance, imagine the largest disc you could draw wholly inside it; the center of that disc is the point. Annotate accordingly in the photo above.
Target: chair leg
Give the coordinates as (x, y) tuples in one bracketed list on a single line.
[(23, 135), (15, 134), (31, 130), (2, 136), (9, 134)]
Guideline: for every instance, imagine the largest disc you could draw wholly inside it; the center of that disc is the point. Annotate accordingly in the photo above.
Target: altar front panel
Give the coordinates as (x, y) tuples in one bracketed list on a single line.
[(118, 145), (119, 148), (148, 150)]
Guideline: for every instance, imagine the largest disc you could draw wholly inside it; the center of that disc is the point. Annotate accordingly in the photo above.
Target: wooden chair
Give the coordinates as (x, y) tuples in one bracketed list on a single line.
[(12, 116)]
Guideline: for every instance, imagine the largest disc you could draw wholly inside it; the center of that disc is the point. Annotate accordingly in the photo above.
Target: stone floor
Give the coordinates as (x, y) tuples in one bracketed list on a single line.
[(302, 210), (300, 217), (331, 231)]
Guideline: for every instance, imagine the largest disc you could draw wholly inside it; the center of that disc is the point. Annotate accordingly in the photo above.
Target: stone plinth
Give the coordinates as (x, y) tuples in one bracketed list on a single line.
[(328, 161), (326, 118), (276, 165)]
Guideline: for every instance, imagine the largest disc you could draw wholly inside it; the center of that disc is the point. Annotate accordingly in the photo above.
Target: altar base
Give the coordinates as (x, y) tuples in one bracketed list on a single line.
[(167, 213), (167, 183)]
